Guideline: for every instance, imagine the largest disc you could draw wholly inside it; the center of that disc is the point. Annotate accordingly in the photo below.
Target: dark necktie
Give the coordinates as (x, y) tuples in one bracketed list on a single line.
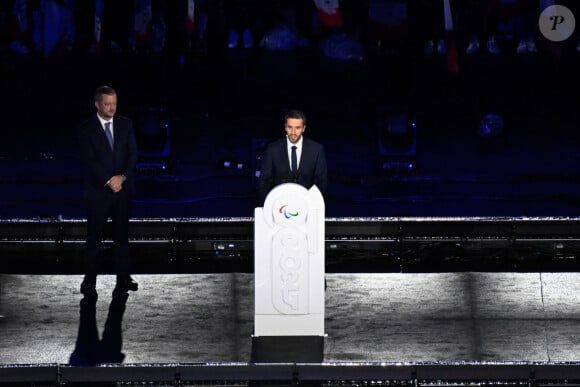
[(109, 134), (294, 159)]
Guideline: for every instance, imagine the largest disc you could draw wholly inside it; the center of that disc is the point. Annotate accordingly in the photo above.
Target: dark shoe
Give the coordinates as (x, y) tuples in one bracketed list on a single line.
[(88, 286), (127, 283)]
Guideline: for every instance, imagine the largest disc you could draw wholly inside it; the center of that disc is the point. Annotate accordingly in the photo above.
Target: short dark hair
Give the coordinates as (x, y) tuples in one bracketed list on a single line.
[(296, 114), (108, 90)]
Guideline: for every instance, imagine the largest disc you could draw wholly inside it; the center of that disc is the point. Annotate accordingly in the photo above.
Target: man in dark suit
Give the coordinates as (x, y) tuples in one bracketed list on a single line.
[(307, 155), (109, 151)]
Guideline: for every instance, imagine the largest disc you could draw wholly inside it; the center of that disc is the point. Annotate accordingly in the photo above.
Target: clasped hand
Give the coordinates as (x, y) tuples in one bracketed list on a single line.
[(116, 183)]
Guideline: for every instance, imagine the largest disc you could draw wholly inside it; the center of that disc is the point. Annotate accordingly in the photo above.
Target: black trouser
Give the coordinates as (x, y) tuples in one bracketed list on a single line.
[(115, 206)]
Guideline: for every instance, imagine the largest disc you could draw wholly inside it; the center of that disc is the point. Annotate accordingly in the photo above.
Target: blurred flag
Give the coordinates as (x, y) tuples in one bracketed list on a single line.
[(19, 11), (190, 17), (452, 55), (99, 7), (388, 20), (58, 25), (142, 26), (329, 12)]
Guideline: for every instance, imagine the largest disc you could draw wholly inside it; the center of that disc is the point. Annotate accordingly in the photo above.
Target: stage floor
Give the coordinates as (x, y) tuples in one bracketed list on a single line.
[(185, 318)]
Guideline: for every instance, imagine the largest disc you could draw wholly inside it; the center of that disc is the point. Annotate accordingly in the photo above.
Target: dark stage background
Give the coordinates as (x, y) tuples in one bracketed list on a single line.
[(223, 105)]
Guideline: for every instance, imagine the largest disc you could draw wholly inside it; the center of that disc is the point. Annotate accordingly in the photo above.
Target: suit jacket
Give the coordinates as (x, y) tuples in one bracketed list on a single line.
[(276, 170), (102, 163)]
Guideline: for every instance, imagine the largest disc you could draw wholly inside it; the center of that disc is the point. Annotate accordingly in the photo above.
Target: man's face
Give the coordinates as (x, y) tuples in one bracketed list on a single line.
[(107, 106), (294, 129)]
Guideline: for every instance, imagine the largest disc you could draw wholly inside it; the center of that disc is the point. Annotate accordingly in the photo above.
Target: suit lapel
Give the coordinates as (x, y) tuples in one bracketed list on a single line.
[(304, 155), (117, 133), (284, 154)]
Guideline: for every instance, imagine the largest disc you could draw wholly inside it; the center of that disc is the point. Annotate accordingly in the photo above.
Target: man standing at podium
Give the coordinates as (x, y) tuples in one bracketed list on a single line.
[(293, 159)]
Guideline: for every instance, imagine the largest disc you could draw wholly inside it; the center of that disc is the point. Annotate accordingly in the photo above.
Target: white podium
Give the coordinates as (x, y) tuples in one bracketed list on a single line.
[(289, 263)]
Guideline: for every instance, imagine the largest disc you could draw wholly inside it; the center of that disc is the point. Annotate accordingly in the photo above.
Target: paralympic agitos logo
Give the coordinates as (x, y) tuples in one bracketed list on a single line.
[(286, 212)]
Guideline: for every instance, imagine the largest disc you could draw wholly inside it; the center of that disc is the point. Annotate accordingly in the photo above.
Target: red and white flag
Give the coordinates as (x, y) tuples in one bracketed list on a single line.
[(329, 12), (452, 54), (388, 20), (99, 7), (190, 27)]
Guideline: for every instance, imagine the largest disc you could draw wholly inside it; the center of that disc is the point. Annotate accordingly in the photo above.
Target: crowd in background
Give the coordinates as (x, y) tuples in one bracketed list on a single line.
[(115, 26), (349, 28)]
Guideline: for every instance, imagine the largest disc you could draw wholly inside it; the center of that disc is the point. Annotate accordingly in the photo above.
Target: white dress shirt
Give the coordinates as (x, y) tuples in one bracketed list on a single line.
[(298, 151), (103, 122)]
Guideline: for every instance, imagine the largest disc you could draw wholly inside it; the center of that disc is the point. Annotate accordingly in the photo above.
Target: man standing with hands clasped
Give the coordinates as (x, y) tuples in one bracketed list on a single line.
[(109, 152), (293, 159)]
